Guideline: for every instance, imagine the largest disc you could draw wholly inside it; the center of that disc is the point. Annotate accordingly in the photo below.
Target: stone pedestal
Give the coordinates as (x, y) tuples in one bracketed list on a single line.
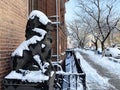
[(15, 84)]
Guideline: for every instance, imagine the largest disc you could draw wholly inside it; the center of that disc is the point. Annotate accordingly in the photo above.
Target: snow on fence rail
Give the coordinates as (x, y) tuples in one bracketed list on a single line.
[(73, 77), (69, 81)]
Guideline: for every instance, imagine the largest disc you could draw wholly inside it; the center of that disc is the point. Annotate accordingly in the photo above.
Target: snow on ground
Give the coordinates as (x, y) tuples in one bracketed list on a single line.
[(104, 62), (93, 77)]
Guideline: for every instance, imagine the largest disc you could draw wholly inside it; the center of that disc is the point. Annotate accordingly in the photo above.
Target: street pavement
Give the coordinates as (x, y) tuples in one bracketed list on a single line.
[(114, 79)]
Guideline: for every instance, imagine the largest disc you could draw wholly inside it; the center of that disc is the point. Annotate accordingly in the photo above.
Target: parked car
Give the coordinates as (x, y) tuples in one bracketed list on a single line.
[(92, 48), (112, 52), (87, 48)]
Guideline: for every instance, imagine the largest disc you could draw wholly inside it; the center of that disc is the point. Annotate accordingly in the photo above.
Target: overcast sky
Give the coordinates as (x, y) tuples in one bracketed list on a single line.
[(70, 10), (71, 7)]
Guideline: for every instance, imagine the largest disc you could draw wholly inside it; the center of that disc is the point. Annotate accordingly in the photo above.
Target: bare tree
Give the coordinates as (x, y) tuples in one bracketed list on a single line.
[(102, 13), (77, 32), (91, 26)]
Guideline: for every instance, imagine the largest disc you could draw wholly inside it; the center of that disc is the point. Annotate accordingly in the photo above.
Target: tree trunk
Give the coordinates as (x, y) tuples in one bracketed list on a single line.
[(102, 45), (96, 45)]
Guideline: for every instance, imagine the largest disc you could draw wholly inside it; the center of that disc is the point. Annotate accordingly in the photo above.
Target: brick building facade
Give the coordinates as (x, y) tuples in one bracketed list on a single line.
[(13, 19)]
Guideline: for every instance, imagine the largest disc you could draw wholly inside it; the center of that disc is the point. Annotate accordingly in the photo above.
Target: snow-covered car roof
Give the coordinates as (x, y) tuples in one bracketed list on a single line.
[(114, 50)]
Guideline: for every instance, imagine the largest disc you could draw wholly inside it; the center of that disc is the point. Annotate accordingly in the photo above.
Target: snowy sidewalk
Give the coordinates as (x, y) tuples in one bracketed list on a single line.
[(98, 77)]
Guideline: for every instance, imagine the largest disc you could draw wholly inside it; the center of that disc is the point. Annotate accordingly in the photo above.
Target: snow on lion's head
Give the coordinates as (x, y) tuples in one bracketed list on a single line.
[(36, 19)]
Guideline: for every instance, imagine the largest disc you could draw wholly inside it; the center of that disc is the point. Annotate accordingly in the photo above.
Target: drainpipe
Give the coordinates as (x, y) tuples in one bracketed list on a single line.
[(32, 5), (57, 30)]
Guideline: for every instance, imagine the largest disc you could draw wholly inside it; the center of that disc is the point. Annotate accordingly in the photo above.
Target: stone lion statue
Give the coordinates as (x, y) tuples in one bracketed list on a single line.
[(35, 52)]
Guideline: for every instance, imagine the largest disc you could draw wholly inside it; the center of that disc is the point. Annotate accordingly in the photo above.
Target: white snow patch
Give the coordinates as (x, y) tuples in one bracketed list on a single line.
[(14, 75), (37, 59), (41, 31), (71, 72), (92, 76), (63, 53), (30, 76), (24, 45), (45, 65), (70, 63), (42, 17), (43, 45), (35, 76), (77, 54)]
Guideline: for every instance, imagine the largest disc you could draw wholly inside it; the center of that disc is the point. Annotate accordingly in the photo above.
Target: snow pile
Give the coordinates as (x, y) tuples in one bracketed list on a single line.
[(43, 45), (42, 17), (29, 76)]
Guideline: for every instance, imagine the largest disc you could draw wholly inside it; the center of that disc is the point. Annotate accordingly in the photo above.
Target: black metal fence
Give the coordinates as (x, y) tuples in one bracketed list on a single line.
[(70, 81)]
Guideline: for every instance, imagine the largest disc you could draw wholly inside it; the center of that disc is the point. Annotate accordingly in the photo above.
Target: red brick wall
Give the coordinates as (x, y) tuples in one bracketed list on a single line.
[(13, 15), (51, 7)]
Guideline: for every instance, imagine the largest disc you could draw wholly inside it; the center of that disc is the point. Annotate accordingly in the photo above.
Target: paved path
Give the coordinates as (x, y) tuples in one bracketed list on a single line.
[(114, 79)]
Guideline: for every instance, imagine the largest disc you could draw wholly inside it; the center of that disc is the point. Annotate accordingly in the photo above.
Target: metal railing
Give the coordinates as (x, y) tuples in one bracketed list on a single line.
[(71, 80)]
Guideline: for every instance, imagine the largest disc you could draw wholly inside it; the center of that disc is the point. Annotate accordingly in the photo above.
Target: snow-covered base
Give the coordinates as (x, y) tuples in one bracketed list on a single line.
[(29, 76)]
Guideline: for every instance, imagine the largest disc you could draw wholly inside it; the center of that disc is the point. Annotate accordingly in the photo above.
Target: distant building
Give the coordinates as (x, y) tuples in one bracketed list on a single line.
[(13, 19), (70, 43)]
